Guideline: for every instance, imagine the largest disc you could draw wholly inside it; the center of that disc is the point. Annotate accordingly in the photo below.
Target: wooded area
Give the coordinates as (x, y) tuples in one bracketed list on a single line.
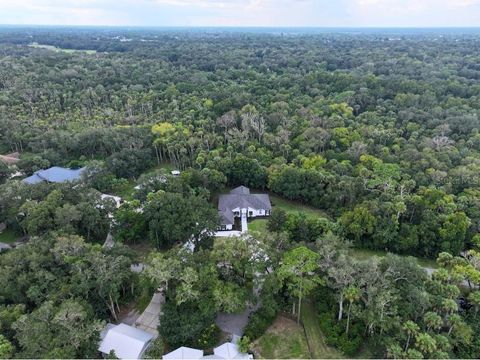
[(380, 131)]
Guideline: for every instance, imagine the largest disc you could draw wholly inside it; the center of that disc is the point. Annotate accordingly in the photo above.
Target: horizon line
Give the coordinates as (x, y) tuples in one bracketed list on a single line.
[(245, 26)]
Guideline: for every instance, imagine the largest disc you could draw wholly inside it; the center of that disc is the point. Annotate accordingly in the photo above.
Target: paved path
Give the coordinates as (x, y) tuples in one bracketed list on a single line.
[(231, 233), (109, 242), (244, 223), (233, 323), (150, 318)]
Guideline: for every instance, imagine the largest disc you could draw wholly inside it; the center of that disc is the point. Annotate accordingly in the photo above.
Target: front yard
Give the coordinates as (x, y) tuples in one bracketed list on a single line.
[(294, 207)]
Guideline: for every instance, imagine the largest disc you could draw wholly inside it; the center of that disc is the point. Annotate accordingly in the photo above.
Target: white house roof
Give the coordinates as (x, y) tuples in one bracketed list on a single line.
[(229, 351), (184, 353), (127, 342)]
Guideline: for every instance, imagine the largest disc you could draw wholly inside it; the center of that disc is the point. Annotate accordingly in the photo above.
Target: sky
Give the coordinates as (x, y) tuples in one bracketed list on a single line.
[(268, 13)]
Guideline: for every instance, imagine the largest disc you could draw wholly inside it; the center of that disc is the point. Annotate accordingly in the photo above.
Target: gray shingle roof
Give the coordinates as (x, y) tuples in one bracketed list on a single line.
[(240, 190), (240, 197)]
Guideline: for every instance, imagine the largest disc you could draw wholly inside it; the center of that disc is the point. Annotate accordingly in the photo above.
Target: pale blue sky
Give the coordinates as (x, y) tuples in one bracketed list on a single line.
[(319, 13)]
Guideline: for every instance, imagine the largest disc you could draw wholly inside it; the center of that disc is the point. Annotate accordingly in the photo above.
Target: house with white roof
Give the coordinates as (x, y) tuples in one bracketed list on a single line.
[(126, 341), (184, 353), (227, 351), (241, 203)]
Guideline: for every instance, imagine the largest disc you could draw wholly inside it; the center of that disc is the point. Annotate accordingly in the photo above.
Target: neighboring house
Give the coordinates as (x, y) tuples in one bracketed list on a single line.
[(175, 172), (184, 353), (240, 203), (126, 341), (226, 351), (55, 175), (117, 199)]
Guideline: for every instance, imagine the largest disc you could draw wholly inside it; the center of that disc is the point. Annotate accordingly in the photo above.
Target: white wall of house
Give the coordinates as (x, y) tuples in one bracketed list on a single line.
[(251, 212)]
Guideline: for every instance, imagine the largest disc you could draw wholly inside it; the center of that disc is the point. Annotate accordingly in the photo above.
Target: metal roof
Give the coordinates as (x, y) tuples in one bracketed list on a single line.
[(184, 353), (126, 341), (55, 175)]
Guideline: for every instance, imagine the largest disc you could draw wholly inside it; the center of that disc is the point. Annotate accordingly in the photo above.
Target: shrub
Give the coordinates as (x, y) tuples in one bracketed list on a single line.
[(260, 321), (209, 337), (335, 334)]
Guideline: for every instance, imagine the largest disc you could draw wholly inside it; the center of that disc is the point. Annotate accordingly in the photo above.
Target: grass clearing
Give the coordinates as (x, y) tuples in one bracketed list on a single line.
[(315, 337), (283, 340), (293, 207), (126, 191), (365, 254), (8, 237), (57, 49)]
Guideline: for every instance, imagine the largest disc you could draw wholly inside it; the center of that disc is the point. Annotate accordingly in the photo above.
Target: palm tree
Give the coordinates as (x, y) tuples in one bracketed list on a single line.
[(352, 294), (394, 352), (411, 329), (425, 343), (449, 306), (453, 320), (433, 320), (474, 298)]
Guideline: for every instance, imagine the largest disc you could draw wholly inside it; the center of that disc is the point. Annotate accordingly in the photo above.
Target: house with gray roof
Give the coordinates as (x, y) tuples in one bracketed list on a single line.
[(55, 175), (241, 203)]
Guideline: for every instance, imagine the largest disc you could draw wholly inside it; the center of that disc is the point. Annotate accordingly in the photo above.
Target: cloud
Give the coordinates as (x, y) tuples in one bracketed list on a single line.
[(320, 13), (416, 13)]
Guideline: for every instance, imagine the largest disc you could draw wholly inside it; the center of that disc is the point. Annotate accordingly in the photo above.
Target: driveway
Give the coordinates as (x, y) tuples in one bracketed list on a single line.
[(235, 323), (150, 318)]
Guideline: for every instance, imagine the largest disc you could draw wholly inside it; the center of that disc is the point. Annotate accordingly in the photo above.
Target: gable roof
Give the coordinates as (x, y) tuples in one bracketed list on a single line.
[(241, 190), (55, 174), (241, 197), (184, 353), (127, 342), (229, 350)]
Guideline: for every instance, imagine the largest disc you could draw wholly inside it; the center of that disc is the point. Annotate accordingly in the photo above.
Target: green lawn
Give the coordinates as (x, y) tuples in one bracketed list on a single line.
[(258, 225), (294, 206), (364, 254), (283, 340), (126, 191), (8, 237), (315, 337), (165, 166)]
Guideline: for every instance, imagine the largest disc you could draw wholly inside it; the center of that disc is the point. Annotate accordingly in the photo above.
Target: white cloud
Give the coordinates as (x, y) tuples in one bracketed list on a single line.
[(244, 12)]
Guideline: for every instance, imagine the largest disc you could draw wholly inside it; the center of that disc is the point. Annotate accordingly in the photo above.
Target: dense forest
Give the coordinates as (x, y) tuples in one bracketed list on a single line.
[(380, 131)]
